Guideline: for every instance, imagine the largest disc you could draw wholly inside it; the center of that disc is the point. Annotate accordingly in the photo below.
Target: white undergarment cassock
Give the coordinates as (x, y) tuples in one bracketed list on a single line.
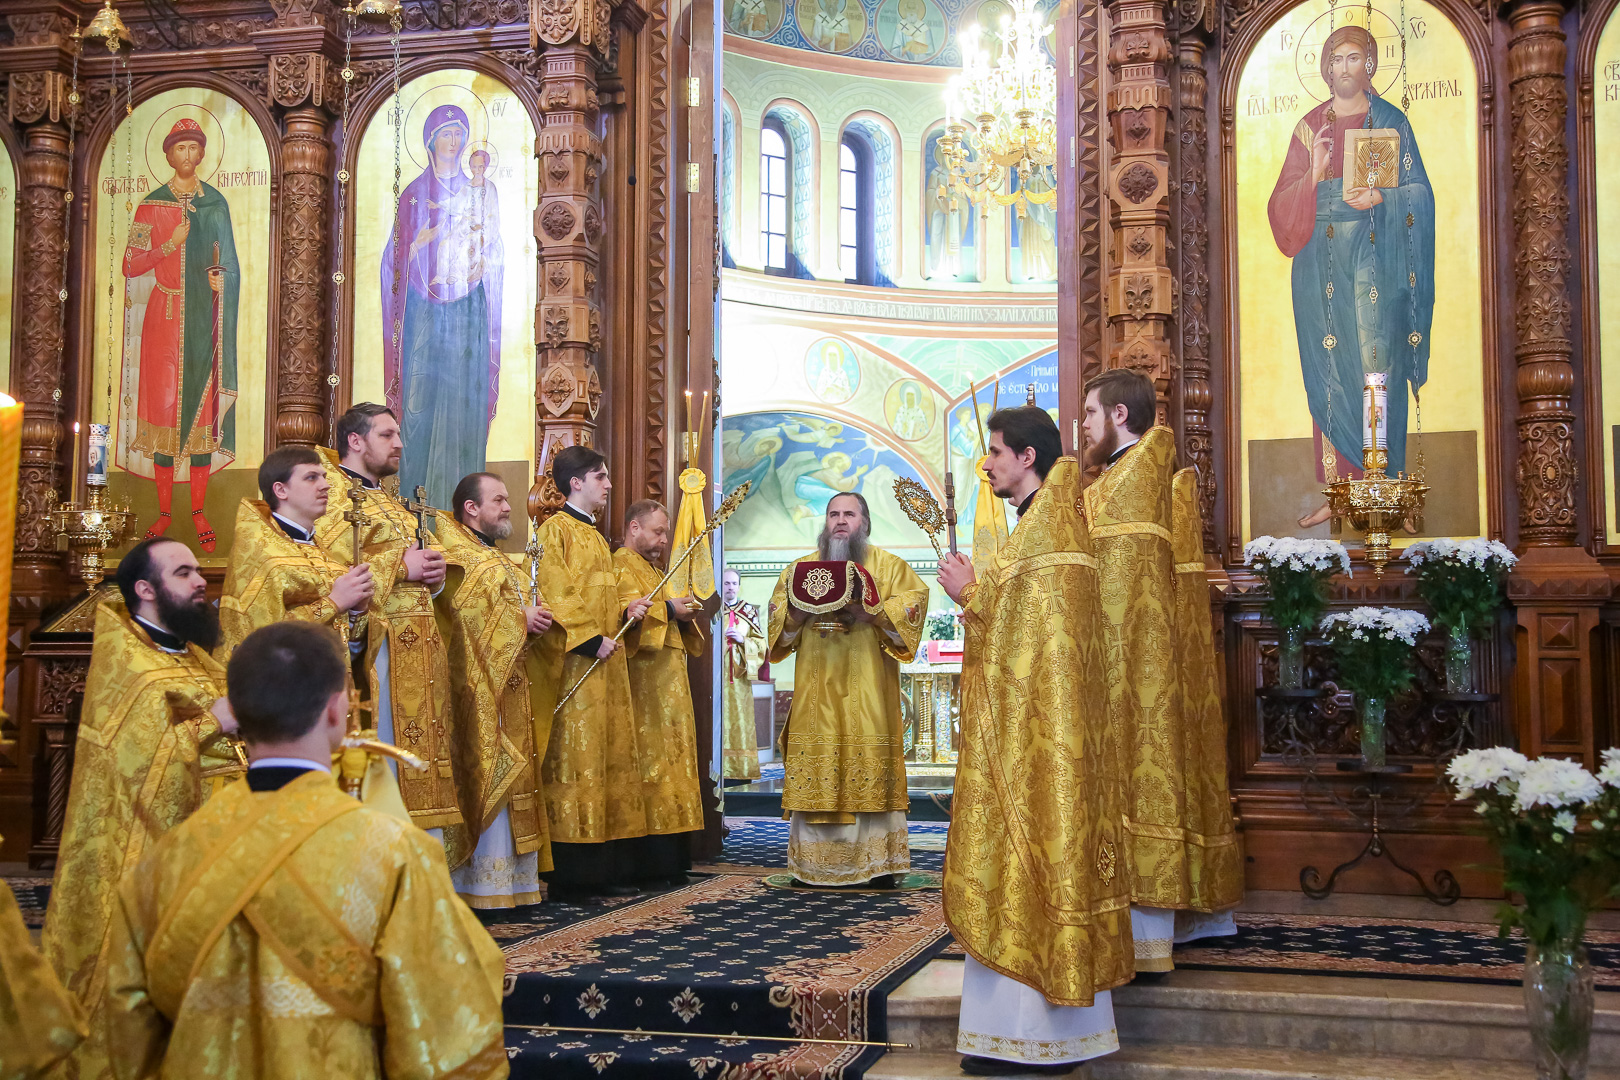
[(874, 845), (1154, 931), (1002, 1018)]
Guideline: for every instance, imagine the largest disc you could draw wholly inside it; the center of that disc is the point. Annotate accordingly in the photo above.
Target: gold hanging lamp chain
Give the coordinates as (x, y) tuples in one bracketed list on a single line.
[(343, 178)]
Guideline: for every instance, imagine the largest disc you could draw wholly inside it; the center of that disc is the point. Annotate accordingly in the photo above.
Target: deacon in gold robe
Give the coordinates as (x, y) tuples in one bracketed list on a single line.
[(845, 788), (661, 698), (149, 752), (745, 652), (288, 930), (591, 770), (504, 693), (405, 656), (40, 1022), (1183, 846), (277, 571), (1035, 889)]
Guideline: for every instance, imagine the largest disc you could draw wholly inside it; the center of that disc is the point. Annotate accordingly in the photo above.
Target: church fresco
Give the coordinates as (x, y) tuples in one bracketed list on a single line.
[(893, 31), (950, 234), (451, 350), (182, 211), (1358, 185), (1606, 180)]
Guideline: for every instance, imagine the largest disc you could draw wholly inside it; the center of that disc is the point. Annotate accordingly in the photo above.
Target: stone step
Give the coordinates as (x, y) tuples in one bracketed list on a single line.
[(1330, 1015), (1201, 1062)]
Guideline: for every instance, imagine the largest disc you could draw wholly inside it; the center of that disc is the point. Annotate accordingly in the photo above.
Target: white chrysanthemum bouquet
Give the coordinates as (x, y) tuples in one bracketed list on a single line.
[(1534, 812), (1461, 582), (1297, 574), (1374, 648)]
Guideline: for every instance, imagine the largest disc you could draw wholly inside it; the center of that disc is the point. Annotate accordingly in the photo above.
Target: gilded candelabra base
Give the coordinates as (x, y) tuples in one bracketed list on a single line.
[(1376, 504), (92, 530)]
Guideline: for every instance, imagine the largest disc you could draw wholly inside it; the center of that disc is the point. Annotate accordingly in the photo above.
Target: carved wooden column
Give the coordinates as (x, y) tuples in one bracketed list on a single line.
[(303, 336), (1557, 587), (568, 229), (1140, 281), (1193, 259), (37, 370)]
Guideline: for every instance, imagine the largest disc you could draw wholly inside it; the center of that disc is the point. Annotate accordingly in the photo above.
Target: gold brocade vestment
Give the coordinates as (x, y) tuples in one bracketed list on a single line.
[(845, 738), (271, 577), (742, 663), (591, 770), (503, 693), (149, 753), (661, 698), (1174, 825), (418, 670), (296, 933), (40, 1022), (1035, 886)]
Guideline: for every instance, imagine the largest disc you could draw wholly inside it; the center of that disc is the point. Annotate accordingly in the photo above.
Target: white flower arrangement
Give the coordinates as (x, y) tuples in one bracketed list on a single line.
[(1478, 554), (1300, 555), (1495, 768), (1609, 775), (1369, 623), (1556, 783)]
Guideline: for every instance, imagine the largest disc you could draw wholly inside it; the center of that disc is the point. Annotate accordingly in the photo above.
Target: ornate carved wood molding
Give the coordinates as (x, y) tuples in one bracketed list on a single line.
[(1193, 257), (1546, 473), (568, 228), (302, 339), (1081, 305), (1140, 281), (37, 369)]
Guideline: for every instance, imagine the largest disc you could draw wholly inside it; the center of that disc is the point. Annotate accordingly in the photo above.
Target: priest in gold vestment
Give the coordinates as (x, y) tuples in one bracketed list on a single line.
[(845, 788), (276, 569), (1035, 888), (591, 769), (745, 652), (150, 751), (405, 655), (40, 1022), (661, 697), (504, 694), (1183, 850), (288, 930)]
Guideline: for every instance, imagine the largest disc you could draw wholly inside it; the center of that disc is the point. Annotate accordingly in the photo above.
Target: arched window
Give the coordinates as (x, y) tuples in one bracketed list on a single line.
[(775, 220), (856, 261)]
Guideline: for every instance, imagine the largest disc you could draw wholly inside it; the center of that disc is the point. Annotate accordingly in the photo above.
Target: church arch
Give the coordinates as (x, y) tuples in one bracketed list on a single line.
[(883, 142), (452, 349), (1270, 89), (800, 128), (183, 436), (1597, 75)]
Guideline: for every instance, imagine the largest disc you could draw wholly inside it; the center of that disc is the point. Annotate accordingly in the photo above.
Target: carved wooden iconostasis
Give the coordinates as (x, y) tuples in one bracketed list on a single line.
[(546, 237)]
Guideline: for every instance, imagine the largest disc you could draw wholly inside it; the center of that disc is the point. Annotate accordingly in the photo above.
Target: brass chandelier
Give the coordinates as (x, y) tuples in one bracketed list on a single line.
[(1001, 116), (1377, 502)]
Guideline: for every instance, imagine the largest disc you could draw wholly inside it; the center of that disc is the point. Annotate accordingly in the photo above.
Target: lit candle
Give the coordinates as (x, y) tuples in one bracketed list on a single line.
[(73, 477), (11, 418), (1375, 412), (689, 410), (97, 473)]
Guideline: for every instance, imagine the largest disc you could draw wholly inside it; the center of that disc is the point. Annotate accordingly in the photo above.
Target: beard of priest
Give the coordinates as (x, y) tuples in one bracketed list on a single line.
[(661, 698), (1043, 922), (149, 753), (845, 786), (284, 867), (504, 692), (591, 769), (1184, 861)]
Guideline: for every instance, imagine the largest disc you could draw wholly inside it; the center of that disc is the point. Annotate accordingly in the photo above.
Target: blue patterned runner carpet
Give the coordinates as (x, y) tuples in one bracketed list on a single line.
[(717, 961), (759, 845)]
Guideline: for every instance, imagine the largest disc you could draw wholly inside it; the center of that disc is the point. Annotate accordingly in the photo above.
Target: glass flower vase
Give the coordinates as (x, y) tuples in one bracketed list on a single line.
[(1558, 1002), (1291, 658), (1372, 732), (1459, 662)]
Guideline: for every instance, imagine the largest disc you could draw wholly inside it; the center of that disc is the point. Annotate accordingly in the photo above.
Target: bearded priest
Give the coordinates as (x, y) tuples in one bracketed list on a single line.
[(745, 652), (1042, 913), (845, 789), (504, 694), (150, 751), (1182, 853), (405, 653), (661, 697)]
